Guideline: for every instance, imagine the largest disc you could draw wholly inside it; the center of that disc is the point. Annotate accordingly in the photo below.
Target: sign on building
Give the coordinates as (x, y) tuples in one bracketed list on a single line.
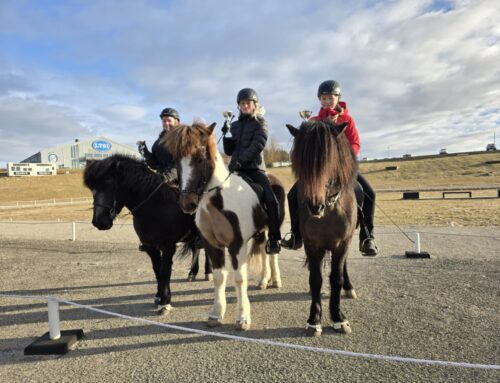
[(30, 169)]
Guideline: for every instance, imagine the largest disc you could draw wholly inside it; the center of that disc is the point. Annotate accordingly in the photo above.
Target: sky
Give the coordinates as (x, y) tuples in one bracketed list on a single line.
[(417, 76)]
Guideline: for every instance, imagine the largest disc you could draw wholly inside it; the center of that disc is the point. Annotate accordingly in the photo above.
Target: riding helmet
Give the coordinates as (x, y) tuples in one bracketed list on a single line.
[(170, 112), (329, 87), (247, 94)]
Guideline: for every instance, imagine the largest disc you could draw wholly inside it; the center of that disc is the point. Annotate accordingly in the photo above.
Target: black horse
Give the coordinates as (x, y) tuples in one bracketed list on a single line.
[(119, 181)]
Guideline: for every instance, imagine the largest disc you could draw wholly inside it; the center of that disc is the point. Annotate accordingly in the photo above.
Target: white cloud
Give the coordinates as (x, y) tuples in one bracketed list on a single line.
[(416, 77)]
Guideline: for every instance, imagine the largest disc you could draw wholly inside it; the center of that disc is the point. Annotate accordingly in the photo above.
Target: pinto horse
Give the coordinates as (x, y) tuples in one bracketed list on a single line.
[(159, 222), (228, 215), (325, 167)]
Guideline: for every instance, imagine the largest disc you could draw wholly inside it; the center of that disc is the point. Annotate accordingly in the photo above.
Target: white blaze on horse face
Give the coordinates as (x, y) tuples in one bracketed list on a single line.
[(186, 171)]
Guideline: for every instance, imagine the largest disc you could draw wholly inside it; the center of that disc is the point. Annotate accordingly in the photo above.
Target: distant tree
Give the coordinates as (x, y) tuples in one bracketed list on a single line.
[(274, 153)]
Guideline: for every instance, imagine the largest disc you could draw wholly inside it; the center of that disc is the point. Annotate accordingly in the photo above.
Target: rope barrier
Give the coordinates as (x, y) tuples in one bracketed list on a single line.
[(389, 358)]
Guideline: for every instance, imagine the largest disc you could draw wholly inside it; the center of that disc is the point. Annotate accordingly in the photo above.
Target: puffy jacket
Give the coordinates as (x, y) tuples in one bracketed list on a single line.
[(343, 116), (247, 142), (159, 158)]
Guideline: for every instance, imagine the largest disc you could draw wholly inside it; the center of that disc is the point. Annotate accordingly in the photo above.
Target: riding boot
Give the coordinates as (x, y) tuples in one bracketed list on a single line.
[(367, 245)]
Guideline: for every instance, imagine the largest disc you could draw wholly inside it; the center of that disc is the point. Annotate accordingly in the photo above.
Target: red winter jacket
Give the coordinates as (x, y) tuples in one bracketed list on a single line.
[(350, 131)]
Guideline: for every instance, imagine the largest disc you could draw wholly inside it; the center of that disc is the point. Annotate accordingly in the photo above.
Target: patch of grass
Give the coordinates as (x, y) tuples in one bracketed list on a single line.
[(471, 170)]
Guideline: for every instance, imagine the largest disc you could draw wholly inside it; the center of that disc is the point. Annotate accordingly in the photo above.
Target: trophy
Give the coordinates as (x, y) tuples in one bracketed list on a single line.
[(305, 114), (228, 116)]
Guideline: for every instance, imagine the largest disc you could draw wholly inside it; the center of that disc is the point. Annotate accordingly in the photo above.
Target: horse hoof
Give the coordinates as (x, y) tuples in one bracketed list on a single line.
[(276, 285), (163, 310), (313, 330), (209, 277), (242, 325), (262, 286), (351, 294), (191, 277), (214, 322), (342, 327)]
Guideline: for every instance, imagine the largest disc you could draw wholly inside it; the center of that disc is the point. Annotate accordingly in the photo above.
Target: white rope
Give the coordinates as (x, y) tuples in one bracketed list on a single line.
[(267, 342)]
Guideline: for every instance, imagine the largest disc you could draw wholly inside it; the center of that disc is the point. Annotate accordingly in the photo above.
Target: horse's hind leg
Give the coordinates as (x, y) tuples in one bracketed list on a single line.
[(340, 323), (195, 265), (314, 259), (275, 271), (347, 285), (265, 274), (209, 275)]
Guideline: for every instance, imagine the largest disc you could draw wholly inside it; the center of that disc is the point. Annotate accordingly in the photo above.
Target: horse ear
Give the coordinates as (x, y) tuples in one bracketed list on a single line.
[(292, 129), (211, 127), (338, 129)]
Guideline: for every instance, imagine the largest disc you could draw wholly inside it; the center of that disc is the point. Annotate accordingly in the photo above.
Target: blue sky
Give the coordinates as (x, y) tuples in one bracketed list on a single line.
[(417, 76)]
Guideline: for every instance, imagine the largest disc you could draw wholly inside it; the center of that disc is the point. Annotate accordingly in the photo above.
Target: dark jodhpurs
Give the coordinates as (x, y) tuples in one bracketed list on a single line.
[(259, 177), (365, 215)]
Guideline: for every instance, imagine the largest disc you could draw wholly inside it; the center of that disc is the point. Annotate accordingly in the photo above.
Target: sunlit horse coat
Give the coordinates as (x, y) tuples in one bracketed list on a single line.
[(228, 215)]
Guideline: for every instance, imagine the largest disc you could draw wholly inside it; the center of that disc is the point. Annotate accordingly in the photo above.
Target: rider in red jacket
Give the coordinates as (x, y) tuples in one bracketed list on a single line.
[(335, 110)]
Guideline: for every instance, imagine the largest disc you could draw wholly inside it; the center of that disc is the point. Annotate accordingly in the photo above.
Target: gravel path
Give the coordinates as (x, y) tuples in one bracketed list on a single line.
[(444, 308)]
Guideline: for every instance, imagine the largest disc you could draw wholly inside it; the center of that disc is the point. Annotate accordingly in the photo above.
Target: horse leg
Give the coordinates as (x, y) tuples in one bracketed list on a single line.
[(340, 323), (155, 256), (195, 265), (275, 271), (243, 320), (218, 310), (265, 274), (347, 285), (208, 269), (313, 326), (165, 274)]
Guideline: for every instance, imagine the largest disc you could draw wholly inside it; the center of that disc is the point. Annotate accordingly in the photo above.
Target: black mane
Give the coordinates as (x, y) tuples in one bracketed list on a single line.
[(132, 173)]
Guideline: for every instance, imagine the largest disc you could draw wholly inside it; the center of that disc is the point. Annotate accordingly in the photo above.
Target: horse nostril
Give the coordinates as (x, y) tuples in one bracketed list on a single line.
[(192, 206)]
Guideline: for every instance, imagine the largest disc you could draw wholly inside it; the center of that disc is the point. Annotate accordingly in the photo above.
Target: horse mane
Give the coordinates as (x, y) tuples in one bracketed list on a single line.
[(190, 140), (322, 153), (134, 174)]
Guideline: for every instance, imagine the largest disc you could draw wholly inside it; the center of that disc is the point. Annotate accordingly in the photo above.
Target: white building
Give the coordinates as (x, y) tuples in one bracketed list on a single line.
[(76, 154)]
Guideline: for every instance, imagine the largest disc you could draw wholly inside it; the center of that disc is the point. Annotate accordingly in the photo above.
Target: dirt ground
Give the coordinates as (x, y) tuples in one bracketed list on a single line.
[(443, 308)]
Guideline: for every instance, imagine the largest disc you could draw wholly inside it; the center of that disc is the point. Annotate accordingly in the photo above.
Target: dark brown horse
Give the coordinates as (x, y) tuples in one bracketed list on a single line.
[(325, 167)]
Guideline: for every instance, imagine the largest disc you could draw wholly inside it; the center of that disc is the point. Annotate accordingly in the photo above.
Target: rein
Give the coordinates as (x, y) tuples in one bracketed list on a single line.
[(149, 196)]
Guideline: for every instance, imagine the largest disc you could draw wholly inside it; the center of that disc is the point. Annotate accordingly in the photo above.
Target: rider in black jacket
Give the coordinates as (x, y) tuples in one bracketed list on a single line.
[(249, 137), (159, 158)]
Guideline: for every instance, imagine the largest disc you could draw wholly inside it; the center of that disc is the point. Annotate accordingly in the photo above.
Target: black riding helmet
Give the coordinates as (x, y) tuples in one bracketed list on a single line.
[(170, 112), (247, 94), (329, 87)]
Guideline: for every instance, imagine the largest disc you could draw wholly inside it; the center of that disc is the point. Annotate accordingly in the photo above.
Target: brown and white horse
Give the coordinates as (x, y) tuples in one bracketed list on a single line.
[(325, 167), (228, 215)]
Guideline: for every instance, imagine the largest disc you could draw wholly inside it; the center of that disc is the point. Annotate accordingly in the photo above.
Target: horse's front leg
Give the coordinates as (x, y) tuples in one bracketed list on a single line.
[(218, 310), (165, 275), (340, 323), (243, 320), (314, 258), (155, 256)]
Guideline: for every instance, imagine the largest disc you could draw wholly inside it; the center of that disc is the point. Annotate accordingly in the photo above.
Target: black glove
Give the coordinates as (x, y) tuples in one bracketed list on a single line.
[(225, 128), (234, 166), (170, 175)]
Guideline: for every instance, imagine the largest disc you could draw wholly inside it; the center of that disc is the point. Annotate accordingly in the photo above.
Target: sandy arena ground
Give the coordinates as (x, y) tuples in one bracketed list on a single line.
[(444, 308)]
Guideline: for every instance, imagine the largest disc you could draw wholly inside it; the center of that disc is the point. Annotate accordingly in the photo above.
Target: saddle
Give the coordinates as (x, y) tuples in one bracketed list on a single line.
[(256, 188)]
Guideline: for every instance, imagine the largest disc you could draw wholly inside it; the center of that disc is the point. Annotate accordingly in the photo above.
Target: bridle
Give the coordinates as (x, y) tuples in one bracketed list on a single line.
[(200, 191)]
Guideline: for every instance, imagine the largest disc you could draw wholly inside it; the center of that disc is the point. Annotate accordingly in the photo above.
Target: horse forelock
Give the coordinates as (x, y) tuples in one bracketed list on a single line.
[(319, 156), (191, 140)]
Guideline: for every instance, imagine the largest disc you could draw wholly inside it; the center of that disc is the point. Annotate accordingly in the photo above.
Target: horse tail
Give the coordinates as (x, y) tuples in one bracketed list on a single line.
[(256, 250), (187, 247)]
